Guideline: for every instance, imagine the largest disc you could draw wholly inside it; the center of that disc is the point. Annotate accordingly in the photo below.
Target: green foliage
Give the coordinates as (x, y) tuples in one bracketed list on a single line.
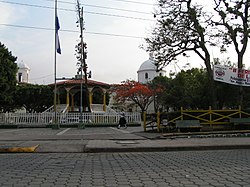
[(8, 70), (186, 25), (161, 99), (190, 89), (35, 98)]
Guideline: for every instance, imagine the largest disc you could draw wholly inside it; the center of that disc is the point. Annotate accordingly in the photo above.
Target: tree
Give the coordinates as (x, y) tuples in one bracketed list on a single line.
[(189, 90), (233, 25), (140, 94), (181, 27), (162, 86), (8, 70), (233, 28), (34, 98)]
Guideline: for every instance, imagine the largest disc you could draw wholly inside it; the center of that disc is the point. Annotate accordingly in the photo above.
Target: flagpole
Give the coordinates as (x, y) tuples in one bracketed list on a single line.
[(56, 126)]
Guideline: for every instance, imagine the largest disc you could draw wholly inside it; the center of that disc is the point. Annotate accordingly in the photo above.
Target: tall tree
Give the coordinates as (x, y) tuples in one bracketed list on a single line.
[(8, 70), (233, 25), (233, 28), (181, 26)]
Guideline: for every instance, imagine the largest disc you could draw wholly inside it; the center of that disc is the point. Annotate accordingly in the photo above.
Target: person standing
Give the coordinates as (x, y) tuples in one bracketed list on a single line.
[(122, 120)]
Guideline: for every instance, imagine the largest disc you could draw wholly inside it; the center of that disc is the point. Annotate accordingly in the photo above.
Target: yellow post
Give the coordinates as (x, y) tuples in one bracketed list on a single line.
[(181, 113), (158, 121), (104, 102), (240, 111), (67, 99), (90, 98), (144, 121), (58, 99), (210, 116), (72, 102)]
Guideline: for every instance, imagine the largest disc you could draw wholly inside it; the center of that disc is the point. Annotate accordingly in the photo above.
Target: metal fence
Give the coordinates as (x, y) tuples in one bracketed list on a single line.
[(35, 119)]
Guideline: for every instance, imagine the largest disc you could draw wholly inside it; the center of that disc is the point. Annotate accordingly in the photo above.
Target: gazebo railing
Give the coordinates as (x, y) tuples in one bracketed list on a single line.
[(61, 108)]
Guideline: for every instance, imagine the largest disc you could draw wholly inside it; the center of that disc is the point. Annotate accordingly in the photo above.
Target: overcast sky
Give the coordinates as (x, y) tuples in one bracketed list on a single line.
[(113, 37), (114, 30)]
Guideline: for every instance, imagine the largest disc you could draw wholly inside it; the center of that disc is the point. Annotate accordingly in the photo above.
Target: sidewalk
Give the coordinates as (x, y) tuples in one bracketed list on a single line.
[(108, 139)]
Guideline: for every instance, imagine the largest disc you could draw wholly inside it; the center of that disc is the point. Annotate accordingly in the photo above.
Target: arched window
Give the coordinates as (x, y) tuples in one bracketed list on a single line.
[(20, 77), (146, 75)]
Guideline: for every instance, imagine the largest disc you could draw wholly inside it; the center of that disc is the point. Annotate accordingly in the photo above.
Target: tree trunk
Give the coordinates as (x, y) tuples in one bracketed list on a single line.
[(211, 82), (240, 66)]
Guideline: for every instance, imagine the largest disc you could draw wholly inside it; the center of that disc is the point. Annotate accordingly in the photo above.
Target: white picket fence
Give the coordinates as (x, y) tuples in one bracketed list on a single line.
[(38, 119)]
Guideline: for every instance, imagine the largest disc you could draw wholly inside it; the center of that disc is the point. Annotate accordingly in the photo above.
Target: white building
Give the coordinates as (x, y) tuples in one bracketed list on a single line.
[(23, 72), (147, 71)]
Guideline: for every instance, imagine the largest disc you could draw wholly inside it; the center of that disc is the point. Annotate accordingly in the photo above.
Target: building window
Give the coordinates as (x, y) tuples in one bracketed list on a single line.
[(20, 75), (160, 74), (146, 75)]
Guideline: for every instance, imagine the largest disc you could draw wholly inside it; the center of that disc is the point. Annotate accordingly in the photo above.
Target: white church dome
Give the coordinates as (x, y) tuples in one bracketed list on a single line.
[(147, 65), (147, 71), (22, 66)]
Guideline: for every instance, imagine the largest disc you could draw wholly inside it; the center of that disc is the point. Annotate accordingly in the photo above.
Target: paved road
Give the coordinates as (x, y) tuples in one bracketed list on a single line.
[(230, 168), (110, 139)]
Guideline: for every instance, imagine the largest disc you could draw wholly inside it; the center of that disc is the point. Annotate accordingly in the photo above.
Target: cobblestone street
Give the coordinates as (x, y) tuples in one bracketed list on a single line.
[(182, 168)]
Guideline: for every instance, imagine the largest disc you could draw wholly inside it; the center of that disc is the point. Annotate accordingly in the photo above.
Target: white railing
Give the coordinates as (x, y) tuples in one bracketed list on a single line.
[(61, 108), (35, 119), (110, 110), (97, 108)]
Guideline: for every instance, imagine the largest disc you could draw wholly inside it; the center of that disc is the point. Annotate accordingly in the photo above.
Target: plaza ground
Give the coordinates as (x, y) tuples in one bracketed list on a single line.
[(111, 139), (108, 156)]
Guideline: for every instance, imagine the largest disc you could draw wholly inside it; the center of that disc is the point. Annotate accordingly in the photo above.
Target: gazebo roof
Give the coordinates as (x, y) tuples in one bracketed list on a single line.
[(78, 82)]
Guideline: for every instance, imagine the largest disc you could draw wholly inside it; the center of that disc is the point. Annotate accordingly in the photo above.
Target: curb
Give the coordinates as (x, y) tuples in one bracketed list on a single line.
[(228, 133), (18, 149), (164, 149)]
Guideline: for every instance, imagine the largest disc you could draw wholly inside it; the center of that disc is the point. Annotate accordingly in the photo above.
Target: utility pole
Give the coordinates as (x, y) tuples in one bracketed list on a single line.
[(82, 62)]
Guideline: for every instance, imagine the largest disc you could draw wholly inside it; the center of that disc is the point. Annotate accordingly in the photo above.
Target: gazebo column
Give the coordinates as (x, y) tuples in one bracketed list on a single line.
[(104, 101), (67, 98), (90, 98), (58, 98), (73, 93), (72, 101)]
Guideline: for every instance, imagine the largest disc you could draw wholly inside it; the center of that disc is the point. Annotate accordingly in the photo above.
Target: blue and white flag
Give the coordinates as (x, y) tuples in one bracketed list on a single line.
[(58, 49)]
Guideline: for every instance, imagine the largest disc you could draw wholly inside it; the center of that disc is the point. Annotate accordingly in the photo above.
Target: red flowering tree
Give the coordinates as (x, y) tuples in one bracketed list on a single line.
[(138, 93)]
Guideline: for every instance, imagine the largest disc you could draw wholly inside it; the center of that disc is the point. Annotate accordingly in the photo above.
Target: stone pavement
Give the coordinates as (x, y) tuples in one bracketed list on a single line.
[(220, 168), (111, 139)]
